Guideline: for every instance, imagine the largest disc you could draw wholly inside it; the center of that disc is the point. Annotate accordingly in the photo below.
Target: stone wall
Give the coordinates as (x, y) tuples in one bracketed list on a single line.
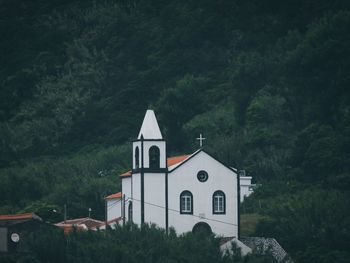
[(270, 245)]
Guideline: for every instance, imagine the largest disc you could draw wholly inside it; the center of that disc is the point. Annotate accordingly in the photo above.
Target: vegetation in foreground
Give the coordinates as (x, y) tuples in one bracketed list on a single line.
[(126, 245)]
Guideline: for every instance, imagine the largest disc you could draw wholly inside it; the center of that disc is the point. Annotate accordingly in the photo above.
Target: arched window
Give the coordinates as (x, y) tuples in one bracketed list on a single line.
[(186, 202), (154, 157), (130, 212), (137, 157), (219, 202)]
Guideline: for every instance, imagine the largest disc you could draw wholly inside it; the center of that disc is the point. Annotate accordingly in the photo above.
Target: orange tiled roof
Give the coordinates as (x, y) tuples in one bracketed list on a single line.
[(18, 216), (114, 196), (177, 159), (126, 174), (170, 161), (79, 223)]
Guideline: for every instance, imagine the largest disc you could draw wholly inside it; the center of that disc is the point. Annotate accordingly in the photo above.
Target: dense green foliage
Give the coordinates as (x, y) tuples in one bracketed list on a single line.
[(314, 221), (266, 82), (128, 244)]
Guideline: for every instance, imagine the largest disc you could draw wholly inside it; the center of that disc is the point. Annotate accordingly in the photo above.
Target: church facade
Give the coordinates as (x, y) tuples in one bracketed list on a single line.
[(188, 192)]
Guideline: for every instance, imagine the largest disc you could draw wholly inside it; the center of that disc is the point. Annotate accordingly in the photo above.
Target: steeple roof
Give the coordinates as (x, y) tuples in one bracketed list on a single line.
[(150, 128)]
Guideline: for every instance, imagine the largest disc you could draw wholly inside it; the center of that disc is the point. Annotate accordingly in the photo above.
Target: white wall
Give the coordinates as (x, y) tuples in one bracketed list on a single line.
[(220, 178), (127, 191), (113, 208), (185, 178), (246, 190), (154, 194), (155, 198), (136, 198)]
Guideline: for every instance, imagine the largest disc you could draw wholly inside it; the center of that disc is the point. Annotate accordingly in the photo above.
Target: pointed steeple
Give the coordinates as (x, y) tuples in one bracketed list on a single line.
[(150, 128)]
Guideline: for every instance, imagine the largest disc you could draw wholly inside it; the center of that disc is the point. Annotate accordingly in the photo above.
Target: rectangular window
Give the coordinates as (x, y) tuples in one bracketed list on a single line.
[(218, 204), (186, 204)]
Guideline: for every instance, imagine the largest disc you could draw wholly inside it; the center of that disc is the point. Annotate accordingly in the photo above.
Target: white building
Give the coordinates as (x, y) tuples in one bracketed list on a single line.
[(187, 192), (247, 188)]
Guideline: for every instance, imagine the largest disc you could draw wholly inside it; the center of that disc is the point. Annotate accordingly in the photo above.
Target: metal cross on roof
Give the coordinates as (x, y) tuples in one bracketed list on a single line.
[(201, 139)]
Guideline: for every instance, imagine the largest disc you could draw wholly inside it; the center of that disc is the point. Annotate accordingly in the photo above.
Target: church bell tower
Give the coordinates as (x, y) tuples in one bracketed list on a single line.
[(149, 173)]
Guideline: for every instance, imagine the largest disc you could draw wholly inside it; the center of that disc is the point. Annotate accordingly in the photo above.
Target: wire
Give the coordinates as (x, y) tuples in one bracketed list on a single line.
[(115, 203), (197, 216)]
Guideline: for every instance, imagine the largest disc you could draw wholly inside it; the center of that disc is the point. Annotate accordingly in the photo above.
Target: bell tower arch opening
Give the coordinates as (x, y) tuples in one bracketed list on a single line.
[(137, 157), (154, 157)]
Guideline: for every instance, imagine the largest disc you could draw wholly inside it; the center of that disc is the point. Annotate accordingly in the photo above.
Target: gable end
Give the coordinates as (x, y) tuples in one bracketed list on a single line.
[(197, 152)]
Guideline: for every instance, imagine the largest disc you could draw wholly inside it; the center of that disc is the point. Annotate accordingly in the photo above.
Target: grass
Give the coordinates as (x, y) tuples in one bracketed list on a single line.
[(249, 222)]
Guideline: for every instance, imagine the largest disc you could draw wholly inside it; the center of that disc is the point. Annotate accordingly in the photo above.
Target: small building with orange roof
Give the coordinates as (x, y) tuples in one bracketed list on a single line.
[(114, 205), (15, 230)]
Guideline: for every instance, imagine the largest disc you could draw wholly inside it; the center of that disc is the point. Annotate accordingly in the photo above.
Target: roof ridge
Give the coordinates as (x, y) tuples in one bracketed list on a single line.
[(114, 196), (19, 216)]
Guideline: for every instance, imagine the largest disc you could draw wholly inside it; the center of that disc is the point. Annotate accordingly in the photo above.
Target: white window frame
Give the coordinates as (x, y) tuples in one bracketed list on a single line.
[(186, 202)]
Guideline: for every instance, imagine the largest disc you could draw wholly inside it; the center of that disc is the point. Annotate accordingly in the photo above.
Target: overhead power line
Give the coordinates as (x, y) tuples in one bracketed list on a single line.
[(193, 215)]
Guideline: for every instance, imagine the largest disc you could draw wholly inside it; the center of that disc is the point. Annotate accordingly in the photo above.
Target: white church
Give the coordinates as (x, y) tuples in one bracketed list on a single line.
[(188, 192)]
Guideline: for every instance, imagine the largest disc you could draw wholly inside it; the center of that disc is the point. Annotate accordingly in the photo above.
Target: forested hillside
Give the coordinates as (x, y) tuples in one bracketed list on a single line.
[(266, 82)]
